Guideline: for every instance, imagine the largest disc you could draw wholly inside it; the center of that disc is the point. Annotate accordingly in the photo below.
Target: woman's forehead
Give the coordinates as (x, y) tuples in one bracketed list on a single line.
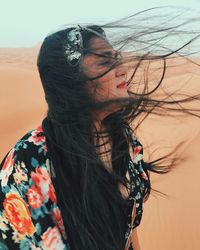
[(99, 45)]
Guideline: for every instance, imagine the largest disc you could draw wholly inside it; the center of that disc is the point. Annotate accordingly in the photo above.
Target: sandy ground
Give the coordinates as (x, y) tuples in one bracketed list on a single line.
[(168, 223)]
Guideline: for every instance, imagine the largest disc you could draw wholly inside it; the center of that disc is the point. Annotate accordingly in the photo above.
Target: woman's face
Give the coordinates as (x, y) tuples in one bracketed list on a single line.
[(112, 84)]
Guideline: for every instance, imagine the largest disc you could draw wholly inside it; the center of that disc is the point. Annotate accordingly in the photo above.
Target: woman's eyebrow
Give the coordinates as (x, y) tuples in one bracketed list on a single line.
[(109, 53)]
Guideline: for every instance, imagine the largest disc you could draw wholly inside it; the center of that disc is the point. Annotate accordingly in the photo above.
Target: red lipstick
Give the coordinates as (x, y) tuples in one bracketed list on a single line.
[(122, 85)]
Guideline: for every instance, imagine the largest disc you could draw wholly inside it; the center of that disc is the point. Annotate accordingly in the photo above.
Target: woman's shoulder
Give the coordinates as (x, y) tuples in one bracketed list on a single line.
[(136, 154), (31, 148), (29, 215), (32, 140), (26, 163)]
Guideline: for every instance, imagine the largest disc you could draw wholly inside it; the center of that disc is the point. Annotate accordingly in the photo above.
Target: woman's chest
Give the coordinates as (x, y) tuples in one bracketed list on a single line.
[(106, 159)]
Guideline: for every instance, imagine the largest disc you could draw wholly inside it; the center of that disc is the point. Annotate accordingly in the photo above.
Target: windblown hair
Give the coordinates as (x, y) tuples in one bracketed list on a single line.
[(88, 194)]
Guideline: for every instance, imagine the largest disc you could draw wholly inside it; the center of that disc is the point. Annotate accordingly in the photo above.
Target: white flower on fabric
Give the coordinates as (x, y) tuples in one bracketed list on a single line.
[(7, 168), (3, 222), (138, 196), (137, 158), (17, 237)]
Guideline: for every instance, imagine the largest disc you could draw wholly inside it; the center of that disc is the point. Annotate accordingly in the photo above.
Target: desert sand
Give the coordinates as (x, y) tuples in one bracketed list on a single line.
[(168, 223)]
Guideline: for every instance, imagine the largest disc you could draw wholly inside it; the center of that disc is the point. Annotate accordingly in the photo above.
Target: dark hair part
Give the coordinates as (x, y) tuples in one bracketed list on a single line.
[(88, 194)]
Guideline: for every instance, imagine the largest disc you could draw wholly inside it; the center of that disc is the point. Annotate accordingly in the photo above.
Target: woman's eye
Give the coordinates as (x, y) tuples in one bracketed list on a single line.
[(104, 63)]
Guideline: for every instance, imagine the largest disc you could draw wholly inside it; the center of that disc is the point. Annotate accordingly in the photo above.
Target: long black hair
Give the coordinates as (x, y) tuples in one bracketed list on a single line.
[(87, 193)]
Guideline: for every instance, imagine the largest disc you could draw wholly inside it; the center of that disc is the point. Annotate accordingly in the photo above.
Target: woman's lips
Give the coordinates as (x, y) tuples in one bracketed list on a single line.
[(122, 85)]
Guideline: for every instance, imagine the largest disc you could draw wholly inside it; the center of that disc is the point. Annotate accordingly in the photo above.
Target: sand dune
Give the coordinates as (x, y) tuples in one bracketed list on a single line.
[(171, 223)]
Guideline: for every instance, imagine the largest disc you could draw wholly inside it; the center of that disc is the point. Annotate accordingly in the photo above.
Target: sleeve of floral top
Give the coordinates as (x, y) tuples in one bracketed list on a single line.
[(29, 215)]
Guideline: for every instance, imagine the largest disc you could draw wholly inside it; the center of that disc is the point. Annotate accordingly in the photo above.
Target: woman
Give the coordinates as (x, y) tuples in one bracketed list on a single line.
[(78, 181)]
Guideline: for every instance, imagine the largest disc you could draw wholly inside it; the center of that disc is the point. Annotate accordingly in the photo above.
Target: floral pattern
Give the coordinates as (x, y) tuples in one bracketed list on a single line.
[(51, 239), (29, 214), (18, 214)]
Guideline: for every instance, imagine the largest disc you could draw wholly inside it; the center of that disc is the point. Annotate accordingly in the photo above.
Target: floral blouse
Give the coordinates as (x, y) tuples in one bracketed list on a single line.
[(29, 215)]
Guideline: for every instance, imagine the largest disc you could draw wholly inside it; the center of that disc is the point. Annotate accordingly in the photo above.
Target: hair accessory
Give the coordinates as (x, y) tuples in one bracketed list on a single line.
[(74, 43), (73, 47)]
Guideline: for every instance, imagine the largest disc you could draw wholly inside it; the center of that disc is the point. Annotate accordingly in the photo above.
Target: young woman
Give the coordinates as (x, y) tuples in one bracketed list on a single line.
[(78, 181)]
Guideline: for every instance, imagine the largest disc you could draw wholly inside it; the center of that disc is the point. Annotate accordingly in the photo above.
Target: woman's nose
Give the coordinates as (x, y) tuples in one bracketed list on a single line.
[(122, 68)]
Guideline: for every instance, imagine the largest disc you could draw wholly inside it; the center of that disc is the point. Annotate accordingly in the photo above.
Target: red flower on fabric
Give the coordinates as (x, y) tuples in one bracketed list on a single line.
[(35, 197), (56, 214), (43, 182), (38, 138), (17, 213), (51, 240), (137, 150), (52, 194)]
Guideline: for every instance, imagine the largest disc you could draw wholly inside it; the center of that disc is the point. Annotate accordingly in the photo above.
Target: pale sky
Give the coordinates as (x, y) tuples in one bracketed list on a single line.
[(24, 23)]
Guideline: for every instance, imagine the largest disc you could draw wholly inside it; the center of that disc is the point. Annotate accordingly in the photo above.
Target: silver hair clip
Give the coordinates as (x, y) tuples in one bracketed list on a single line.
[(74, 44), (73, 47)]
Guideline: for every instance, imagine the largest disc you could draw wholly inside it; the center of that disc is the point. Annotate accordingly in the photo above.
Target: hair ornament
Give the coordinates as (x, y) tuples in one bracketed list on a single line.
[(73, 46)]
